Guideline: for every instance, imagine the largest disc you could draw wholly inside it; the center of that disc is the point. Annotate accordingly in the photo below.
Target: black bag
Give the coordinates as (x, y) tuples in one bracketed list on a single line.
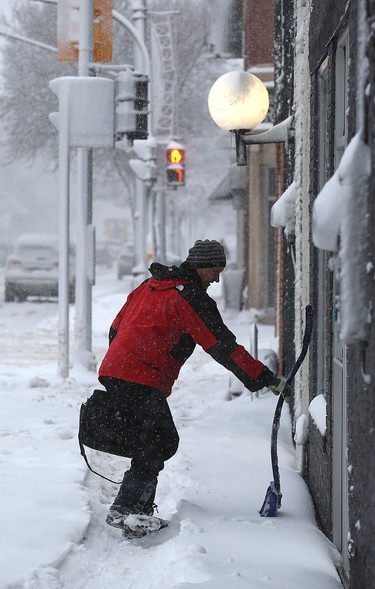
[(102, 426)]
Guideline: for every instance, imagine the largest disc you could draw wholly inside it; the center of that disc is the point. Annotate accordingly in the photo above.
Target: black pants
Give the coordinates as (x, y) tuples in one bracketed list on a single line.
[(150, 431)]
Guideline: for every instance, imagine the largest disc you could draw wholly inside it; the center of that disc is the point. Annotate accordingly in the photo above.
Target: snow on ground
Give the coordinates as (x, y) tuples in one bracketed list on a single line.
[(52, 510)]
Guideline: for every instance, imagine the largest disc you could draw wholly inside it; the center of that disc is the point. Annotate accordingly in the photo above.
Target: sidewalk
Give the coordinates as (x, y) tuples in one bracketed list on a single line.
[(53, 530)]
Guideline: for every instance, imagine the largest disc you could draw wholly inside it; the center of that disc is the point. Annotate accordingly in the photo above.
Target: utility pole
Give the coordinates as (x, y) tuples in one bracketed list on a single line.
[(84, 282)]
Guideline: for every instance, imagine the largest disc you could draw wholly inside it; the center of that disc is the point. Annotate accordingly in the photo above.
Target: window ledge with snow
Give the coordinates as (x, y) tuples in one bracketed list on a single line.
[(340, 195), (318, 412), (339, 223), (283, 212)]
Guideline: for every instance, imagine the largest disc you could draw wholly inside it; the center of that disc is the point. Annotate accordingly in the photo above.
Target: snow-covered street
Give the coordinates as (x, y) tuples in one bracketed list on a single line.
[(53, 512)]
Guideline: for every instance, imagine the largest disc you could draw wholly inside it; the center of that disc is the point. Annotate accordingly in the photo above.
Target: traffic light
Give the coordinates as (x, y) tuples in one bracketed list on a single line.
[(175, 170), (85, 117), (145, 166), (131, 107)]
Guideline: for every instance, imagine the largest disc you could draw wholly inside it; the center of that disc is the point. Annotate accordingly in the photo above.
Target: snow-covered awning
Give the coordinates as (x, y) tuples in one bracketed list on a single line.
[(283, 212), (339, 225), (221, 192), (232, 187)]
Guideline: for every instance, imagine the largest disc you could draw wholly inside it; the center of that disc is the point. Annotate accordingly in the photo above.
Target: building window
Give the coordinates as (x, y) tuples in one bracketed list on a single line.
[(341, 105), (340, 508), (268, 176), (323, 287)]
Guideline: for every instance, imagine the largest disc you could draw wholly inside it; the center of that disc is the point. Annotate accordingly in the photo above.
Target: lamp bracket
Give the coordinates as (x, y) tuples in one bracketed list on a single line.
[(280, 133)]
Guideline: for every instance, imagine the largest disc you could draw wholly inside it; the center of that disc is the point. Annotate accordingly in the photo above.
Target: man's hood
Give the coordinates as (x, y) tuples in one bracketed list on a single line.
[(166, 277)]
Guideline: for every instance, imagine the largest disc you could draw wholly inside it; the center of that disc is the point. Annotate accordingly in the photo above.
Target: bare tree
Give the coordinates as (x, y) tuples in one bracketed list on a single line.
[(191, 25), (26, 100)]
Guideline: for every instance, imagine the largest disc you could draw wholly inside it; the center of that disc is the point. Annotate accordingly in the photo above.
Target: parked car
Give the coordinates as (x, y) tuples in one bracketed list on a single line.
[(5, 250), (125, 260), (125, 263), (103, 254), (171, 259), (32, 268)]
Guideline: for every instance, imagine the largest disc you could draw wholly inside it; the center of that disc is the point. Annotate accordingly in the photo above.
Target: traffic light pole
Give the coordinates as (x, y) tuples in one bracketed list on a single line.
[(163, 225), (83, 303), (140, 220), (64, 198)]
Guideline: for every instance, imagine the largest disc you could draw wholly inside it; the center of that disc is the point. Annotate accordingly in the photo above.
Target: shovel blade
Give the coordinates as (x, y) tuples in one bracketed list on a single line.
[(272, 502)]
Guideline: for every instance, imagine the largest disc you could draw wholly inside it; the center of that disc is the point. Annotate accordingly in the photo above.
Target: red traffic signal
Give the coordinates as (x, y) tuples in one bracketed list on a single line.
[(175, 177), (175, 171), (175, 155)]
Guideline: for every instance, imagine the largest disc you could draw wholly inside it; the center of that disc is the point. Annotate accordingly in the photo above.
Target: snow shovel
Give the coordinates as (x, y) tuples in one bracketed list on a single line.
[(272, 501)]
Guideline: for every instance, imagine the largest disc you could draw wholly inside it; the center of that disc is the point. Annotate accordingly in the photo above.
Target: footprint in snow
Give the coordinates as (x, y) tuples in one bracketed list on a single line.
[(189, 526)]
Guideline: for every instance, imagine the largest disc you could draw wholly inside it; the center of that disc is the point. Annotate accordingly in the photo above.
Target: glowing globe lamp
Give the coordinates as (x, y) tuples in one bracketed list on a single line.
[(238, 100)]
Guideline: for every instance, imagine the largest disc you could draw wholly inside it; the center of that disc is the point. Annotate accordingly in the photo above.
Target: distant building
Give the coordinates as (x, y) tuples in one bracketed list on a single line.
[(225, 35), (259, 238)]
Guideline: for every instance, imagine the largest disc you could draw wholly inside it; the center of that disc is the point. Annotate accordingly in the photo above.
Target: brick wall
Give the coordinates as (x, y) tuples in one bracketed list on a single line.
[(361, 396), (318, 466), (258, 23), (326, 16)]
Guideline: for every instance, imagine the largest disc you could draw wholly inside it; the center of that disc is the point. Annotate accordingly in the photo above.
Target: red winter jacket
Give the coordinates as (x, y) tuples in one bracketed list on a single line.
[(157, 329)]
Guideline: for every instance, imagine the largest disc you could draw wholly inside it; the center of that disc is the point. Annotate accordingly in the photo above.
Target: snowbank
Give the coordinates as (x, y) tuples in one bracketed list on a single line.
[(54, 534)]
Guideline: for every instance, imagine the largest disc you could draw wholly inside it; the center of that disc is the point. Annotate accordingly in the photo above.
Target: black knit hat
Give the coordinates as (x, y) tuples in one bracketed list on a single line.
[(207, 254)]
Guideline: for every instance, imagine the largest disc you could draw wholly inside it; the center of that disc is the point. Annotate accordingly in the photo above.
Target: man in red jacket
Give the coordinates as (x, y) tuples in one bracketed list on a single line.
[(151, 338)]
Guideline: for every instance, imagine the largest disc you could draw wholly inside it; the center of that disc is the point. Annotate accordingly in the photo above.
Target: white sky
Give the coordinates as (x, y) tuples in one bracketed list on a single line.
[(4, 11), (5, 8)]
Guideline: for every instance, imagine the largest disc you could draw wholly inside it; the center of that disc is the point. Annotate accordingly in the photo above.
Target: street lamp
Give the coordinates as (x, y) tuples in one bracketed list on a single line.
[(238, 102)]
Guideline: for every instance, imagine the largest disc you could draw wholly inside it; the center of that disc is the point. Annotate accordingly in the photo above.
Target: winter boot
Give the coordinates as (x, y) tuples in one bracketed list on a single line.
[(134, 497), (137, 525)]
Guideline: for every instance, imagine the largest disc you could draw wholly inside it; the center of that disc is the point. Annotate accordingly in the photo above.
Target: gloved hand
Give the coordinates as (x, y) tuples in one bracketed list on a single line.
[(279, 385)]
